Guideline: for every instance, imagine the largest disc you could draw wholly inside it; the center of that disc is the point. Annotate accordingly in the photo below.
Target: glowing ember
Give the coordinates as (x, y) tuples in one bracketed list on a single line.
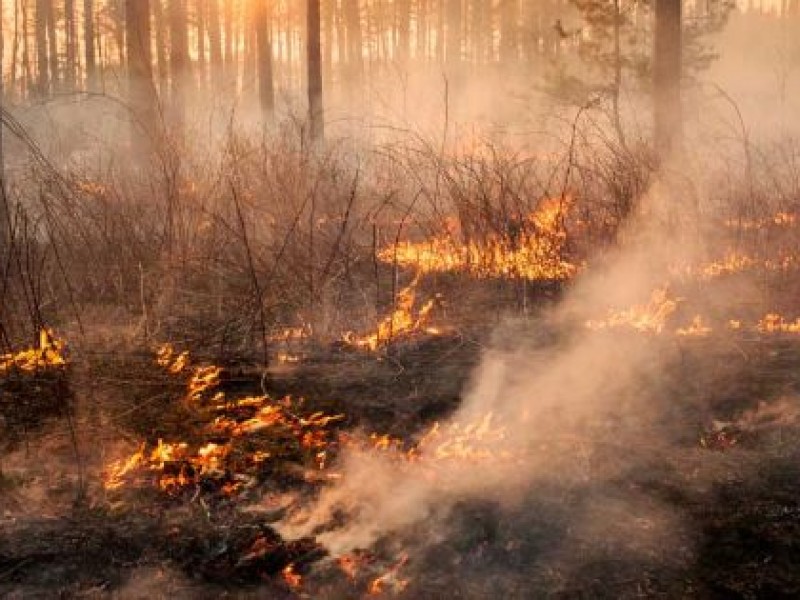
[(49, 354), (401, 321), (533, 252), (646, 318)]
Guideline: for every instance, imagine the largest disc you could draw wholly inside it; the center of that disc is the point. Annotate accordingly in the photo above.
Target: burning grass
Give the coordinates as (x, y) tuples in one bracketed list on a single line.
[(531, 249)]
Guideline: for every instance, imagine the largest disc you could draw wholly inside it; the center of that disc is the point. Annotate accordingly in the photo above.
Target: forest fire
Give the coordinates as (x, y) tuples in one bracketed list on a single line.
[(534, 250)]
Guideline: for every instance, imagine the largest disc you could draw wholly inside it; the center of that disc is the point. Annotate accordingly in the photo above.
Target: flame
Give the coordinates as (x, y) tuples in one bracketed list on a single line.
[(775, 323), (697, 328), (401, 321), (390, 580), (178, 465), (49, 354), (733, 263), (533, 252), (292, 579), (645, 318), (779, 219)]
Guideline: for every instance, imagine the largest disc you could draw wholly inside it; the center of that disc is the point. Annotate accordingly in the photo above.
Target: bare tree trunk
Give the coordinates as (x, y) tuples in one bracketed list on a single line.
[(509, 31), (403, 8), (71, 71), (667, 76), (90, 58), (314, 60), (264, 43), (453, 32), (42, 62), (201, 12), (52, 41), (162, 68), (215, 44), (355, 43), (179, 59), (140, 73)]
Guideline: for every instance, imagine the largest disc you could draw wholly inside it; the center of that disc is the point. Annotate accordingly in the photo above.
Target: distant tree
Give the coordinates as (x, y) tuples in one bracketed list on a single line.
[(509, 30), (314, 60), (264, 44), (89, 45), (667, 114), (140, 73), (355, 42), (43, 8), (454, 37), (180, 77)]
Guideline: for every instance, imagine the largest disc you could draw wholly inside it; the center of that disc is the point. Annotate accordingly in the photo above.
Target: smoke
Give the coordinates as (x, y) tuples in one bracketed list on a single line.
[(572, 411)]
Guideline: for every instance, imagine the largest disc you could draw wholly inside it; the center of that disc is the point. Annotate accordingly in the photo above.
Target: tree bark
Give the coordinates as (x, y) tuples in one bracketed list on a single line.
[(667, 58), (314, 61)]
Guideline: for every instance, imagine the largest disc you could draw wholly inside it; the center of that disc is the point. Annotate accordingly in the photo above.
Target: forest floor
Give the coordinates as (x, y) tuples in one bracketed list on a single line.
[(729, 480)]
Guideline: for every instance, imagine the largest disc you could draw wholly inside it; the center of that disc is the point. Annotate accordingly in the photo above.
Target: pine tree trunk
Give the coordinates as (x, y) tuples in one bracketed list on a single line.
[(453, 32), (667, 76), (264, 45), (90, 57), (178, 58), (215, 44), (71, 71), (355, 56), (509, 31), (314, 60), (42, 62), (140, 73)]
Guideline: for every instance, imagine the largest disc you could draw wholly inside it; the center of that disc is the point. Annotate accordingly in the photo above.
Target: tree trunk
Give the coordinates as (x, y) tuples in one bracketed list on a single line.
[(667, 76), (264, 43), (355, 50), (201, 13), (509, 31), (90, 57), (178, 58), (453, 32), (403, 8), (215, 44), (53, 43), (314, 60), (42, 62), (140, 73), (71, 71)]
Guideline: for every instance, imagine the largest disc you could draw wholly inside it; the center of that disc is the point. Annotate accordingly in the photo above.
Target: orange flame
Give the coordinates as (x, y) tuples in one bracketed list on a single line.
[(401, 321), (49, 354), (534, 252)]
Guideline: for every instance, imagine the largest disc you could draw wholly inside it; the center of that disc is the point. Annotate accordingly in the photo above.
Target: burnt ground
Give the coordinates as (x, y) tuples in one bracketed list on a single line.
[(728, 488)]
